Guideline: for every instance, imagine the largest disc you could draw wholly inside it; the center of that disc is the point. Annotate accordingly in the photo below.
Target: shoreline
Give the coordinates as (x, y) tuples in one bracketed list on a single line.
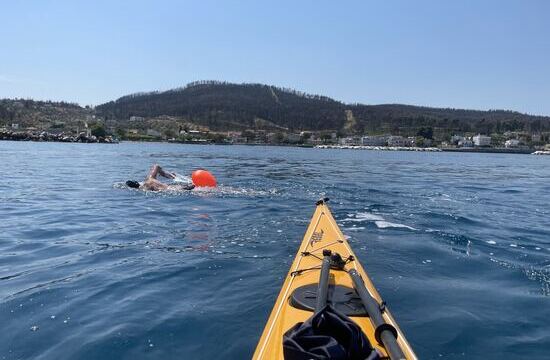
[(63, 138), (490, 150), (433, 149), (44, 136)]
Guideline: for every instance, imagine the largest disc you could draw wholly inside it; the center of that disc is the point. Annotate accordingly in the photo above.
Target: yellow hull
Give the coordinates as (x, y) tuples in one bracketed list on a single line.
[(322, 233)]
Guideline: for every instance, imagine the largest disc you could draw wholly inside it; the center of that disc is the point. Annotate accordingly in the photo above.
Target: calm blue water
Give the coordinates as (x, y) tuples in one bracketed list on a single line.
[(458, 245)]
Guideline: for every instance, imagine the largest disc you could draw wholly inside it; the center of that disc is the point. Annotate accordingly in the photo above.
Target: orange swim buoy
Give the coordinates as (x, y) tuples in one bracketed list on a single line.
[(203, 178)]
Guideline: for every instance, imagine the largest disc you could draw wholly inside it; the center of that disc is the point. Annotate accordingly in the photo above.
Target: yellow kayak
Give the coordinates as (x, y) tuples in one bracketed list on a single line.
[(326, 272)]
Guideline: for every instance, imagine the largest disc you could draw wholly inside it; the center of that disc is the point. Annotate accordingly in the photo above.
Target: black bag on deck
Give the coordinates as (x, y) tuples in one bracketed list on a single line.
[(328, 334)]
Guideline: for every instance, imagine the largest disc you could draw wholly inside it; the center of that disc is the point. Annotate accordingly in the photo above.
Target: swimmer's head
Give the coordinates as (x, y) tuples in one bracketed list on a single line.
[(132, 184)]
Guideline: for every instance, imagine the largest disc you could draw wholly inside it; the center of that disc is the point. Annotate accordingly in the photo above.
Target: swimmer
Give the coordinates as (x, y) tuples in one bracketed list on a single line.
[(152, 184)]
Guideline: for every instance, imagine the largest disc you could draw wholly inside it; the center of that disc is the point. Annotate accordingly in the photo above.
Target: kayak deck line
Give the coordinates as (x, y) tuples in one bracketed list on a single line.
[(324, 236)]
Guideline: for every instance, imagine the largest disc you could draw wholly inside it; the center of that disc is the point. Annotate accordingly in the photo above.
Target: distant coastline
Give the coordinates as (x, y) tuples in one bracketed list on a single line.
[(222, 112), (213, 112), (82, 138)]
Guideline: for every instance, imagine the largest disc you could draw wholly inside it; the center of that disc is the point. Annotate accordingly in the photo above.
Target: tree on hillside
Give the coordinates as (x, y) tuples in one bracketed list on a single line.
[(426, 132), (98, 130), (170, 133), (120, 132)]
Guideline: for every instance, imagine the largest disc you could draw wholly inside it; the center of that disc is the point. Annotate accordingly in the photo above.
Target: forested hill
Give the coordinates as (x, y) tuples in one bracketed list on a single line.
[(232, 106), (226, 106), (223, 106)]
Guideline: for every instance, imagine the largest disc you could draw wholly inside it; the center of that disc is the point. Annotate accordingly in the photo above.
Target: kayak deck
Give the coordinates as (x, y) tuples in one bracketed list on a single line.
[(322, 234)]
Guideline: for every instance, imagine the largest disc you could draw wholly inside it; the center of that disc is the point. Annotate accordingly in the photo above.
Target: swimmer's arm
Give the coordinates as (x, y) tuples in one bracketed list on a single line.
[(157, 170), (166, 174)]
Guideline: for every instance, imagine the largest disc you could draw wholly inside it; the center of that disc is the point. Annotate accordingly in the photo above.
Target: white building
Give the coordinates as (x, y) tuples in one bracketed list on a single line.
[(398, 141), (373, 140), (15, 126), (350, 140), (512, 143), (482, 140)]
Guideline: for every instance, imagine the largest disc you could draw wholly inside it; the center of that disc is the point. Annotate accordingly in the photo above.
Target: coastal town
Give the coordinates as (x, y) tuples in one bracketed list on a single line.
[(508, 142)]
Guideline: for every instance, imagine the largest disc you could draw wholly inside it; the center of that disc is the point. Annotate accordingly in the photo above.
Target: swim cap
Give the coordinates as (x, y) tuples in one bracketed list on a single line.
[(132, 184)]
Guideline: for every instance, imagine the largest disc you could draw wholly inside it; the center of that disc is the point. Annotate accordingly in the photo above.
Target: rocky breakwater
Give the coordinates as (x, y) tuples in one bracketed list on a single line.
[(46, 136)]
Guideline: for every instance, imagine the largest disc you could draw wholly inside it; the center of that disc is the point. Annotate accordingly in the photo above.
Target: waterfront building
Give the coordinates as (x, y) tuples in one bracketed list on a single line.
[(350, 140), (398, 141), (152, 132), (482, 140), (293, 138), (512, 143), (465, 143), (235, 137), (374, 140), (315, 140), (455, 139)]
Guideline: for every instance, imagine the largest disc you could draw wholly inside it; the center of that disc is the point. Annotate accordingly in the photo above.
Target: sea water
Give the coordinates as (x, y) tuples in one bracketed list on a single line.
[(457, 244)]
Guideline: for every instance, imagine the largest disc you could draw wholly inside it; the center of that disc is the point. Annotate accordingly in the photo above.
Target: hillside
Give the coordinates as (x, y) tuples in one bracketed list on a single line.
[(222, 106), (41, 114), (225, 106), (407, 119)]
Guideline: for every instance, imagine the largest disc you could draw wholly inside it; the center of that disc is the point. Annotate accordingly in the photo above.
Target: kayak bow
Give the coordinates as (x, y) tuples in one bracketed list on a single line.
[(325, 270)]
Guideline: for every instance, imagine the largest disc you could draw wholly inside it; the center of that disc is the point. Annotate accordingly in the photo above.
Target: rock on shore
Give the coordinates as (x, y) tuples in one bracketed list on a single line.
[(46, 136)]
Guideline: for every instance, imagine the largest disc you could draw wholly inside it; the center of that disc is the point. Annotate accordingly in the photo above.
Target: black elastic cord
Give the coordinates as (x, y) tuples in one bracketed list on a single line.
[(307, 253), (298, 272)]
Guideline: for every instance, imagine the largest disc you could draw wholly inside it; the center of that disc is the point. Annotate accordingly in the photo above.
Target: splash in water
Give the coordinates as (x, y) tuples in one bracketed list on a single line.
[(221, 190), (182, 179)]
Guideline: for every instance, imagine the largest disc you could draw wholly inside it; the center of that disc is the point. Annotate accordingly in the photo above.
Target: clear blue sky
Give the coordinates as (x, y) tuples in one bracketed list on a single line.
[(465, 54)]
